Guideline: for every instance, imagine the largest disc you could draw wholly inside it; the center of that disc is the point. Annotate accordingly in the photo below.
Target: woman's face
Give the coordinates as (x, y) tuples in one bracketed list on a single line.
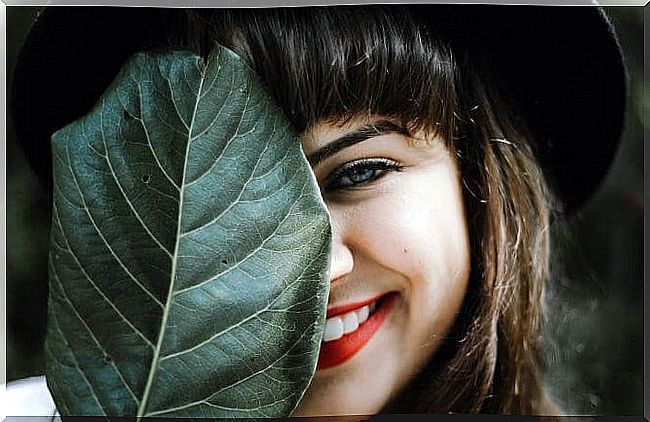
[(400, 260)]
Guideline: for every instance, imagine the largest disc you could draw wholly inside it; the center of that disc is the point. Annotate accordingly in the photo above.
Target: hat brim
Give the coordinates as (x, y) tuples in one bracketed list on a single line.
[(565, 70), (563, 66)]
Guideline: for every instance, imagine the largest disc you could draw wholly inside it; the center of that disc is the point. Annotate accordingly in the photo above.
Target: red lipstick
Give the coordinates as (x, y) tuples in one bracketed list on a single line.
[(334, 353), (347, 308)]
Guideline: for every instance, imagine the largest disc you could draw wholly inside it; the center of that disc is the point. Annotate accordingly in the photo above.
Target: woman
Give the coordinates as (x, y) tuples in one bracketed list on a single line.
[(434, 143)]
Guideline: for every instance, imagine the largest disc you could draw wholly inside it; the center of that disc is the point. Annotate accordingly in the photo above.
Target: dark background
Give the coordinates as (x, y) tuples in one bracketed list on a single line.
[(594, 334)]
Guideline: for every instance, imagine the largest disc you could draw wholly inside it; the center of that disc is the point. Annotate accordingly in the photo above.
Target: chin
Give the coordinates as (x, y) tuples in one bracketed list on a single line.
[(363, 384), (334, 397)]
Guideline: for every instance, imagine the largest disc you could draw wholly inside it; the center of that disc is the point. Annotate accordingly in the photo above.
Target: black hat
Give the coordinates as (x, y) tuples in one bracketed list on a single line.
[(563, 65)]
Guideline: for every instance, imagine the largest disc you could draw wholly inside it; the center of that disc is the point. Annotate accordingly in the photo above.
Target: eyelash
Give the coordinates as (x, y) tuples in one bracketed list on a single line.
[(379, 166)]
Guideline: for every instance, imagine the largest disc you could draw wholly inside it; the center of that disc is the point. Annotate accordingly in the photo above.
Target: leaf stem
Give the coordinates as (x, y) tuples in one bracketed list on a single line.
[(156, 357)]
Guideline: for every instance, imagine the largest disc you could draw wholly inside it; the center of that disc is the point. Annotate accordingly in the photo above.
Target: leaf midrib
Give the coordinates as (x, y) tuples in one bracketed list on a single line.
[(156, 357)]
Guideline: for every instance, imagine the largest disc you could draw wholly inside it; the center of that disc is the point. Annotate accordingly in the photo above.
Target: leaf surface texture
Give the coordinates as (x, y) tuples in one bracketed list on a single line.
[(189, 248)]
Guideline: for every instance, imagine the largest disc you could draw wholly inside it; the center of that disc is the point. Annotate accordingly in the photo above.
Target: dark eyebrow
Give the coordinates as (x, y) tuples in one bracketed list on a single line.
[(362, 133)]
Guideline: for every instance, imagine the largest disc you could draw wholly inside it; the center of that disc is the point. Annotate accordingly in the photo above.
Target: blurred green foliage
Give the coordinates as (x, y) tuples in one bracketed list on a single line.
[(594, 333)]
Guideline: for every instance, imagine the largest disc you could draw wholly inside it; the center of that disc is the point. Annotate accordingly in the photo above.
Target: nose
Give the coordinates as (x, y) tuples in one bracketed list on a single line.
[(342, 260)]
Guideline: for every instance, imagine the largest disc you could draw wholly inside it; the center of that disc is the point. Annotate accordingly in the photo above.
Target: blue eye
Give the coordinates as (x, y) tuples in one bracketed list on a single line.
[(359, 173)]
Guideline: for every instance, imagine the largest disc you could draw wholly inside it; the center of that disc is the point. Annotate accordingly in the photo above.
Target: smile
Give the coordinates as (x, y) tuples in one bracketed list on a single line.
[(349, 328), (347, 323)]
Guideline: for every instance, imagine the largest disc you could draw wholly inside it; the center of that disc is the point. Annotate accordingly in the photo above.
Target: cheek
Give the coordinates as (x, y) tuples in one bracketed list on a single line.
[(417, 228)]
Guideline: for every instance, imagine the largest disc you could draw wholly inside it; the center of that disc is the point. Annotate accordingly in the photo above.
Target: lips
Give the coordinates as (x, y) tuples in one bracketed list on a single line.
[(349, 328)]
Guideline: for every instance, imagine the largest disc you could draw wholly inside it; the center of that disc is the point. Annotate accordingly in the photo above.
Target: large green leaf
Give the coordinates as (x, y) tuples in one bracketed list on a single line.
[(189, 248)]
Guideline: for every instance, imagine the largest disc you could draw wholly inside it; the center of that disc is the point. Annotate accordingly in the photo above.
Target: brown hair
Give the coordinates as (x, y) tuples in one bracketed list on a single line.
[(336, 63)]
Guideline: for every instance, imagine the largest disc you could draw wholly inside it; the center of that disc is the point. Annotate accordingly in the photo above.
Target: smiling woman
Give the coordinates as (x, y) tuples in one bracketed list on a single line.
[(400, 250), (438, 161)]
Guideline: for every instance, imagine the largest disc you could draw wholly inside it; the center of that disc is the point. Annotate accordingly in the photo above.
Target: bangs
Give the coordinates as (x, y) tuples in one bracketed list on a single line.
[(336, 63)]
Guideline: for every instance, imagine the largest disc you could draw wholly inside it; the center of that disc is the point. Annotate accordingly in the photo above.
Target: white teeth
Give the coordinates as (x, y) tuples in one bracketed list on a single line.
[(338, 326), (350, 322), (333, 329), (362, 314)]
